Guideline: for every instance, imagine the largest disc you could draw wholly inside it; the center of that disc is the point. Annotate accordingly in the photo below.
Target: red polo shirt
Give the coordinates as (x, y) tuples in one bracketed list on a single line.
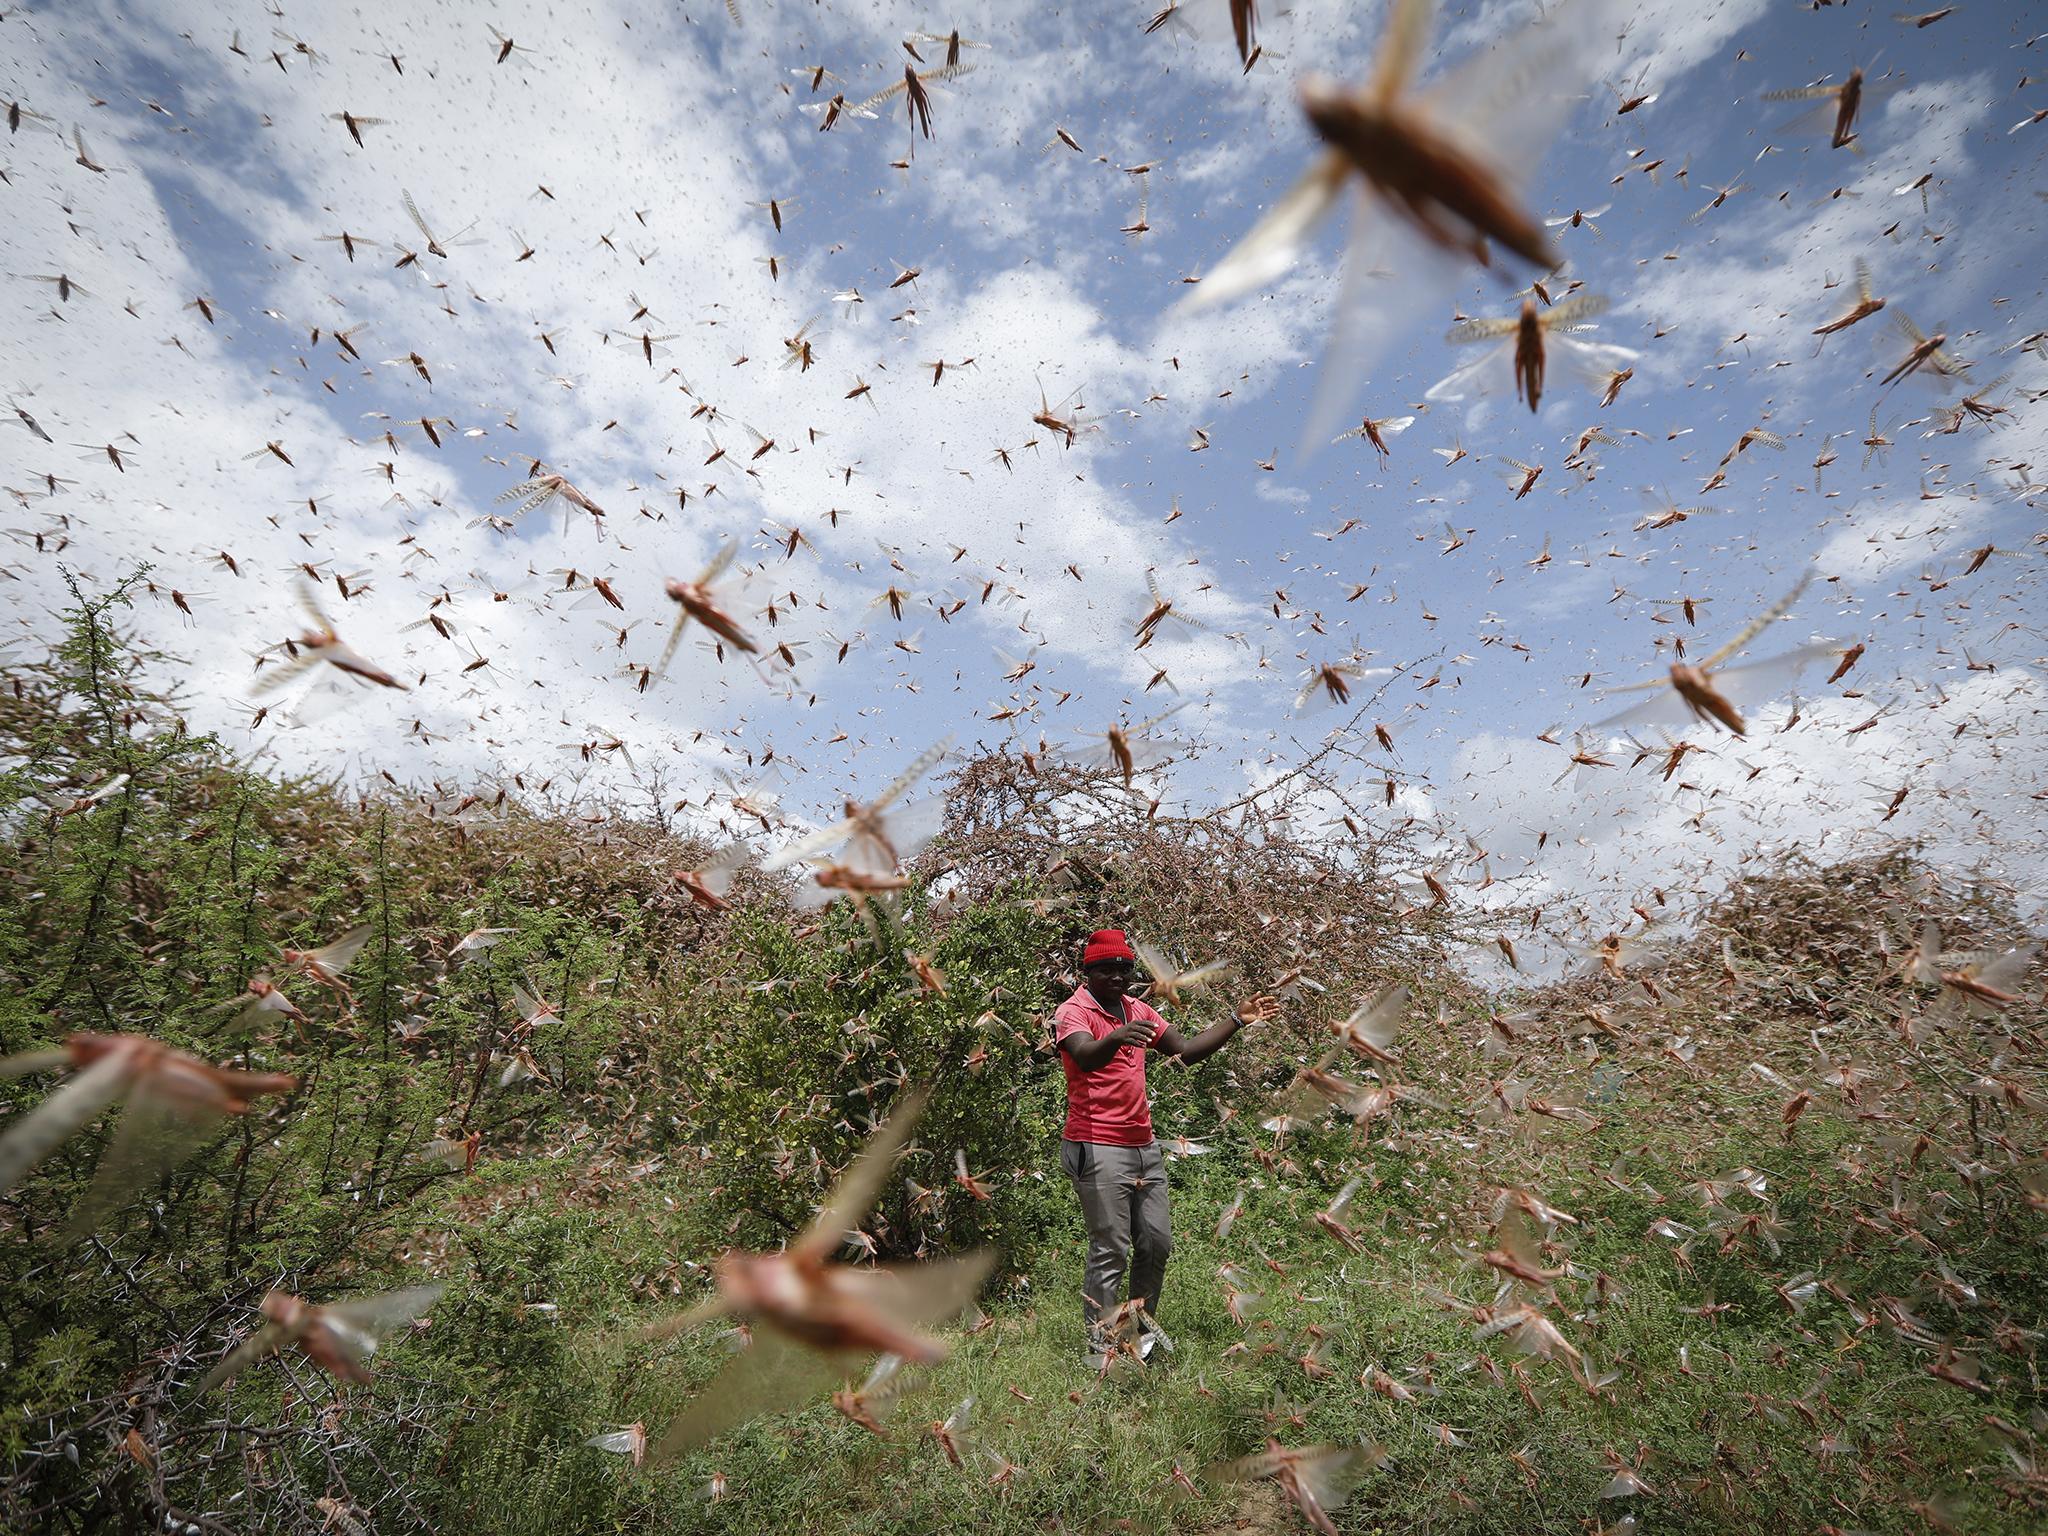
[(1106, 1106)]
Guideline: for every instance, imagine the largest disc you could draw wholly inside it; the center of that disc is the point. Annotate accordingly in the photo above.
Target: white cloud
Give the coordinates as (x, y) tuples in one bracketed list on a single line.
[(609, 229), (1880, 540), (1669, 38), (1762, 273), (1589, 850)]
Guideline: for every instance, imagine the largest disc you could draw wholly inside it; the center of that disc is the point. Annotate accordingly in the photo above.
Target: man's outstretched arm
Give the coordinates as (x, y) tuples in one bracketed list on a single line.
[(1255, 1010)]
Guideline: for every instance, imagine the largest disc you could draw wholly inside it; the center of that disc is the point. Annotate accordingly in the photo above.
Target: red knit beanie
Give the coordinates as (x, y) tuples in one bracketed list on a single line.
[(1107, 944)]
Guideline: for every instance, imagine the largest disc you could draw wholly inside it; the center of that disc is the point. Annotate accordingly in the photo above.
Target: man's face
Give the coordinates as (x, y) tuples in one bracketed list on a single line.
[(1109, 980)]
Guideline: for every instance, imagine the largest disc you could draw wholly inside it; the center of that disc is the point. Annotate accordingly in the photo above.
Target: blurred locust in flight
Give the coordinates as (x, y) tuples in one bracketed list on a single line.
[(697, 600), (340, 1337), (174, 1102), (814, 1314), (1428, 155), (1127, 749), (319, 645), (1538, 336), (879, 838), (1837, 111), (1443, 164), (1708, 691), (1317, 1478)]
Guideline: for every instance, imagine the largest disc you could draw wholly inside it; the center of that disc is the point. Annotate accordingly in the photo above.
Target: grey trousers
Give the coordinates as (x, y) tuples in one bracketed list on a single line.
[(1123, 1203)]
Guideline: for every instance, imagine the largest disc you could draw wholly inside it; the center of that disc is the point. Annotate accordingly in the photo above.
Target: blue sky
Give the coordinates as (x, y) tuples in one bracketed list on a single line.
[(654, 129)]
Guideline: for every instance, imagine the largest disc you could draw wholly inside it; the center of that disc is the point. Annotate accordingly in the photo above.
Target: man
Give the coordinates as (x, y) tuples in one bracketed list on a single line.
[(1108, 1151)]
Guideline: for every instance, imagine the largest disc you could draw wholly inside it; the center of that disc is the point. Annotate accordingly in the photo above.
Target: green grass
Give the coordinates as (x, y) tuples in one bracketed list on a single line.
[(1734, 1412)]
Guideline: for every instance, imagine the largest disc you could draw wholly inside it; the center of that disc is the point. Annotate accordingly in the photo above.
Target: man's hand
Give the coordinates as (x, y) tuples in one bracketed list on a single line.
[(1132, 1033), (1262, 1009)]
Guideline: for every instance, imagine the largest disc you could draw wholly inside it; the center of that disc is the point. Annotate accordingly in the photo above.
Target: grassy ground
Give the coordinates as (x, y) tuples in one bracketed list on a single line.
[(1726, 1402), (1710, 1361)]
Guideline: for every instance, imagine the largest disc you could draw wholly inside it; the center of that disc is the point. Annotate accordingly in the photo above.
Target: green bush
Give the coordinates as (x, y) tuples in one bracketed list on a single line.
[(802, 1045)]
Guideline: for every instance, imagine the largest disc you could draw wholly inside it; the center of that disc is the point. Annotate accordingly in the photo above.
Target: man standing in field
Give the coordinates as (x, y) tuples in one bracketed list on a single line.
[(1108, 1151)]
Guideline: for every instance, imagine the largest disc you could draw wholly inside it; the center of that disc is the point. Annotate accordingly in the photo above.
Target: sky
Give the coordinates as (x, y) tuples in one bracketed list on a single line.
[(637, 223)]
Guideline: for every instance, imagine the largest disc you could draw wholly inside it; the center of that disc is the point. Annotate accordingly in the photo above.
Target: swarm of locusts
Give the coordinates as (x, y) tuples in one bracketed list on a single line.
[(1412, 1146)]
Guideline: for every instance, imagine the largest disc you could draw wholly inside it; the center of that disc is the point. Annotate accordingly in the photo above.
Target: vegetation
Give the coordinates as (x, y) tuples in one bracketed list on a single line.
[(1828, 1308)]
